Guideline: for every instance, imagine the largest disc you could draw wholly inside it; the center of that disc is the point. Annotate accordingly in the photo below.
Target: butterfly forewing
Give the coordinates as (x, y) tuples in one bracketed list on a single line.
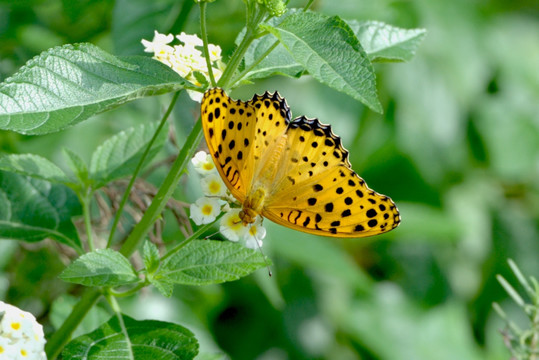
[(238, 133)]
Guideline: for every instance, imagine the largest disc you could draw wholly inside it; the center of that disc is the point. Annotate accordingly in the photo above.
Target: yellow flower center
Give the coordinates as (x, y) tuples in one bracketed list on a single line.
[(15, 325), (252, 230), (207, 209), (1, 349), (214, 187), (208, 166), (24, 353), (234, 222)]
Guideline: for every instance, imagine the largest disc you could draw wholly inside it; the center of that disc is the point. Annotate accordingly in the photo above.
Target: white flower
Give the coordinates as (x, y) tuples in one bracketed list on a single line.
[(203, 163), (215, 52), (253, 237), (213, 185), (189, 40), (205, 210), (186, 59), (21, 336), (159, 43), (231, 226)]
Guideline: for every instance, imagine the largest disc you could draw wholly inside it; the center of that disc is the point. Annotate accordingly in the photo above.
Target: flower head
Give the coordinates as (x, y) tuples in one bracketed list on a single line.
[(205, 210), (21, 336), (186, 59)]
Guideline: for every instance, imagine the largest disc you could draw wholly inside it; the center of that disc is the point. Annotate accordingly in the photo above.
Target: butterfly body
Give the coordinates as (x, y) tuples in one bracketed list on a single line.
[(293, 172)]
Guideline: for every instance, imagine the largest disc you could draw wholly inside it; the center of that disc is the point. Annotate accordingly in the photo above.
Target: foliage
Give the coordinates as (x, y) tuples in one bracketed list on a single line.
[(455, 147)]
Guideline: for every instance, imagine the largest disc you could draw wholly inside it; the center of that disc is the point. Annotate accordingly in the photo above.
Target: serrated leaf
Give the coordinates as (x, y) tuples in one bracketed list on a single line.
[(384, 42), (150, 254), (278, 62), (164, 286), (102, 267), (210, 262), (33, 209), (118, 156), (328, 49), (77, 165), (66, 85), (146, 339), (34, 166)]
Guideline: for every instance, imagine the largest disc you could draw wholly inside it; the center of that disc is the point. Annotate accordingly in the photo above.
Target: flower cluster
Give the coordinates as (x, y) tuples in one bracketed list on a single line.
[(217, 199), (21, 336), (187, 59)]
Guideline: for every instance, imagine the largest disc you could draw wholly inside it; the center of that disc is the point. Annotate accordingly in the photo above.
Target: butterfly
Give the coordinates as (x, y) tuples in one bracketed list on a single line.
[(293, 172)]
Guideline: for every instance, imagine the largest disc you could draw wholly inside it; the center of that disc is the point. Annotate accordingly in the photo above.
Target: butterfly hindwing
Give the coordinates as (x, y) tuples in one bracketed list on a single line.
[(318, 192)]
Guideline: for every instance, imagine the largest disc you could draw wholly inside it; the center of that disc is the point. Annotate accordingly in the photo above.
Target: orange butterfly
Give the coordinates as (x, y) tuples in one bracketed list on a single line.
[(293, 172)]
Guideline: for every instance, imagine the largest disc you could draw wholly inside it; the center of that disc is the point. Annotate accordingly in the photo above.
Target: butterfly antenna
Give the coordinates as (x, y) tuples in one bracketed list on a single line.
[(264, 256)]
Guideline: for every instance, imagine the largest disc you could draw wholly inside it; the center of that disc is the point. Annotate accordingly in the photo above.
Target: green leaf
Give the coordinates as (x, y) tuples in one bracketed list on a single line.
[(77, 165), (150, 254), (384, 42), (118, 156), (278, 62), (35, 166), (210, 262), (102, 267), (164, 286), (328, 49), (66, 85), (146, 339), (33, 209)]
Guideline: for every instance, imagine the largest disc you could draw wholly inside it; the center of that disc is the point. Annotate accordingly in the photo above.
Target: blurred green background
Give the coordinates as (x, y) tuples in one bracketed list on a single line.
[(457, 148)]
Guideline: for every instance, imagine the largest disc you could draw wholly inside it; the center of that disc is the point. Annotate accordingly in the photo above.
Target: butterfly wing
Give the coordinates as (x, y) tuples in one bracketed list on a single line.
[(238, 133), (317, 191)]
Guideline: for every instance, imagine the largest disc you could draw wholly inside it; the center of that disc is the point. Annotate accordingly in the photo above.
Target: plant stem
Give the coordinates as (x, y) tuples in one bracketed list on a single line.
[(204, 35), (62, 336), (127, 191), (164, 193)]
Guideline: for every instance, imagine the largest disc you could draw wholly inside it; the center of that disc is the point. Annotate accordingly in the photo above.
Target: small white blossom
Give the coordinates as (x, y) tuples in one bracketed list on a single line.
[(256, 232), (189, 40), (203, 163), (215, 52), (231, 225), (21, 336), (159, 44), (213, 185), (205, 210)]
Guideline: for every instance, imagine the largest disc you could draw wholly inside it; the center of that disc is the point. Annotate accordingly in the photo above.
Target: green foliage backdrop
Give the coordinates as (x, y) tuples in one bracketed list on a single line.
[(457, 148)]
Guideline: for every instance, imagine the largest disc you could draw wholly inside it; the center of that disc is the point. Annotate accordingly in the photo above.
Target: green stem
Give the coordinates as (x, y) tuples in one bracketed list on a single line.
[(253, 18), (164, 193), (86, 201), (195, 235), (62, 336), (129, 292), (308, 5), (127, 191), (204, 35)]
